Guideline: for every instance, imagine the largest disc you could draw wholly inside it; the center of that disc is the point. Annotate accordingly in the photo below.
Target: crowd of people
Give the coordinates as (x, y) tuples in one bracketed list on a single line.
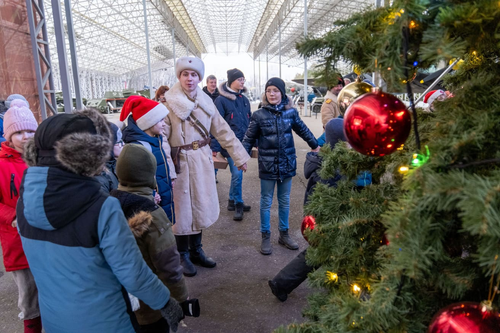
[(100, 224)]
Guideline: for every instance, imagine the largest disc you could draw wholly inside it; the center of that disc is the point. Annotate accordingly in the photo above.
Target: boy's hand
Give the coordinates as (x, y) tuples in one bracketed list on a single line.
[(315, 150), (243, 167)]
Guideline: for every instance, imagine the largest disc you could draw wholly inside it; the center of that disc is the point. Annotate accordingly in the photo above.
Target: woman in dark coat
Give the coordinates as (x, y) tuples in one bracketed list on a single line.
[(272, 126)]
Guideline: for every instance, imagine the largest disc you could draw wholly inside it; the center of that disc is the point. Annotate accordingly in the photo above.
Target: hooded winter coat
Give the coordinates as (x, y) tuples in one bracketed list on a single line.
[(133, 134), (329, 108), (81, 252), (272, 126), (234, 107), (195, 192), (12, 168), (153, 233)]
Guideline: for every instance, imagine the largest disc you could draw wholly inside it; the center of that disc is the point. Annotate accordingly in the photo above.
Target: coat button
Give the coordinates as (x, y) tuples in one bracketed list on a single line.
[(162, 229), (185, 191)]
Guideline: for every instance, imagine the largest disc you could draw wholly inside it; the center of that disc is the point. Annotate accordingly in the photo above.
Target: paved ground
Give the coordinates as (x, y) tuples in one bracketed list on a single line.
[(234, 296)]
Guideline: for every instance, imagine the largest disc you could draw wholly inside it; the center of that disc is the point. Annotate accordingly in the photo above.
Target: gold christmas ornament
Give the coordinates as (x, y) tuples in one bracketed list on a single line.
[(350, 92)]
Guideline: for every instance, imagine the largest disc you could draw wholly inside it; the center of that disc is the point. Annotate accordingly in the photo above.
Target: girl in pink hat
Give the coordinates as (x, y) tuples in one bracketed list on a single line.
[(19, 126)]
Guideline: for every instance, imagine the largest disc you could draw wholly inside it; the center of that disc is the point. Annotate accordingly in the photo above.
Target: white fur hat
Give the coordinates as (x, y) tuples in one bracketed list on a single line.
[(190, 63)]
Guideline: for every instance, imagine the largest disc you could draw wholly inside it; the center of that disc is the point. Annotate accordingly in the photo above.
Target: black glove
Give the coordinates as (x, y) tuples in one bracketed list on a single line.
[(191, 307), (172, 312)]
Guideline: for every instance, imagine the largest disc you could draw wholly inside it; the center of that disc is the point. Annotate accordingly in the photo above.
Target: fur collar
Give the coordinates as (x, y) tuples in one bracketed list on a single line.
[(288, 106), (139, 223), (330, 95), (178, 103), (224, 91)]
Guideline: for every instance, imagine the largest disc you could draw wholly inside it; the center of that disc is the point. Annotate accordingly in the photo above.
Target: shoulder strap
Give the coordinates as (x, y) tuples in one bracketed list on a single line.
[(198, 126)]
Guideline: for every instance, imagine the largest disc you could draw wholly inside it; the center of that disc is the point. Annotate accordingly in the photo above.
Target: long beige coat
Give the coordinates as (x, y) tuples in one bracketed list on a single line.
[(195, 193), (329, 108)]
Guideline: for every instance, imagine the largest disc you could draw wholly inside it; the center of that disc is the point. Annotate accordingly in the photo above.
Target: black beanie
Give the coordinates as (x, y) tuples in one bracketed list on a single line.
[(233, 75), (278, 83), (136, 166)]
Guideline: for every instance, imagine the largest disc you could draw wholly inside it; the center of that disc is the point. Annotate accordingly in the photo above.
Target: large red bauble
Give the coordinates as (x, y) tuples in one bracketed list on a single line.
[(309, 222), (465, 317), (377, 124)]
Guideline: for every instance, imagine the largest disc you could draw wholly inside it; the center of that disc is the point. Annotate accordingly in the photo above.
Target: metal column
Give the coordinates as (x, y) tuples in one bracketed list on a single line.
[(260, 92), (306, 111), (279, 52), (44, 55), (147, 49), (61, 53), (254, 81), (267, 62), (173, 44), (72, 50)]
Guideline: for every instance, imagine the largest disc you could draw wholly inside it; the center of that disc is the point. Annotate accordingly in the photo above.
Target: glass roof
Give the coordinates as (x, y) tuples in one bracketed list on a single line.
[(110, 34)]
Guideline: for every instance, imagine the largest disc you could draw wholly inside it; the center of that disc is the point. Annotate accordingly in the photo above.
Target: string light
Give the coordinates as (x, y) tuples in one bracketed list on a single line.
[(356, 288), (332, 276), (403, 169), (419, 159), (412, 24)]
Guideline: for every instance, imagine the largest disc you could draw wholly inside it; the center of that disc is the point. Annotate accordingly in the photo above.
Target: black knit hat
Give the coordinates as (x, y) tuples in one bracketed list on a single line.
[(233, 75), (278, 83)]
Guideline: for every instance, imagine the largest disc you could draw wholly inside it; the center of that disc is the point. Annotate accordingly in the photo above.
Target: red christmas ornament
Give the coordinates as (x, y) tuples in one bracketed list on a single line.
[(465, 317), (309, 222), (377, 124)]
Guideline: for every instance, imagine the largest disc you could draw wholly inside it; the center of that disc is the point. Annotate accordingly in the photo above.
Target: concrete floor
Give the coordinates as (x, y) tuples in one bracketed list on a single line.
[(234, 296)]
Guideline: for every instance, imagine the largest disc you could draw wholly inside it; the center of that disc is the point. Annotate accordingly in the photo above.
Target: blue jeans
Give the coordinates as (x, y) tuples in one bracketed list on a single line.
[(236, 182), (266, 200)]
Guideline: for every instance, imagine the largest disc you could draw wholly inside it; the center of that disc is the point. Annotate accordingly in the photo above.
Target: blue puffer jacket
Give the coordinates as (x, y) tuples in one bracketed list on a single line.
[(133, 134), (272, 126), (82, 254), (235, 109)]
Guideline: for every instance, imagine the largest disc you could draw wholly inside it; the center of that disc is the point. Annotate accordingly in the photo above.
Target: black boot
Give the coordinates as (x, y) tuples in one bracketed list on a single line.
[(238, 213), (197, 254), (287, 241), (183, 248), (265, 247), (231, 207)]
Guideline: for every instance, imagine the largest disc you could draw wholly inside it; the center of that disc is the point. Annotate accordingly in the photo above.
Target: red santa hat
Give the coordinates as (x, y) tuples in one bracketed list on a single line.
[(432, 95), (145, 112)]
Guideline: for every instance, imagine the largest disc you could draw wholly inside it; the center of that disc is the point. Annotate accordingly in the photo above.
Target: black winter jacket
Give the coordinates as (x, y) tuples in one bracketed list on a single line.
[(235, 109), (272, 126), (311, 169)]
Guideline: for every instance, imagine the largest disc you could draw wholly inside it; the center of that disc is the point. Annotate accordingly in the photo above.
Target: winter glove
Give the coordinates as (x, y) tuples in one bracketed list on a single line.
[(173, 314), (191, 307)]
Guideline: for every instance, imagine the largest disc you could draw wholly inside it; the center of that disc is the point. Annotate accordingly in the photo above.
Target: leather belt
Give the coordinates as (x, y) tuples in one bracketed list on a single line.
[(196, 144)]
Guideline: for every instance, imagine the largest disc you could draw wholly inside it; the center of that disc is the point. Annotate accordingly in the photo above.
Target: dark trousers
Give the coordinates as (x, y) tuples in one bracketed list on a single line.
[(293, 274), (161, 326)]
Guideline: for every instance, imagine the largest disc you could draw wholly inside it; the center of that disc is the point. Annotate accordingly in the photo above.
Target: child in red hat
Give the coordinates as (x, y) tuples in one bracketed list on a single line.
[(145, 125), (434, 95)]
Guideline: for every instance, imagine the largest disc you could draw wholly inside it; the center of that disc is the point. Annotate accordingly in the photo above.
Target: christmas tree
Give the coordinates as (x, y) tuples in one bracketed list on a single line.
[(394, 253)]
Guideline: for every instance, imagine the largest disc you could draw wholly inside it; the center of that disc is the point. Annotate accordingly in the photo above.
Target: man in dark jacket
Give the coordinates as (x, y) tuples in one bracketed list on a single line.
[(234, 107), (211, 88)]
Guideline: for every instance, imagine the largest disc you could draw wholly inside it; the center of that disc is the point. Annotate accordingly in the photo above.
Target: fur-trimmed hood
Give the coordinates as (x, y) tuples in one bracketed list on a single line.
[(80, 142), (178, 102), (265, 102), (224, 91), (139, 223)]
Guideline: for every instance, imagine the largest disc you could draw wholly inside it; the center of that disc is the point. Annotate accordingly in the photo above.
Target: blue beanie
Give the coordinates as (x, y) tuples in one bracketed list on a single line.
[(334, 131), (13, 97)]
